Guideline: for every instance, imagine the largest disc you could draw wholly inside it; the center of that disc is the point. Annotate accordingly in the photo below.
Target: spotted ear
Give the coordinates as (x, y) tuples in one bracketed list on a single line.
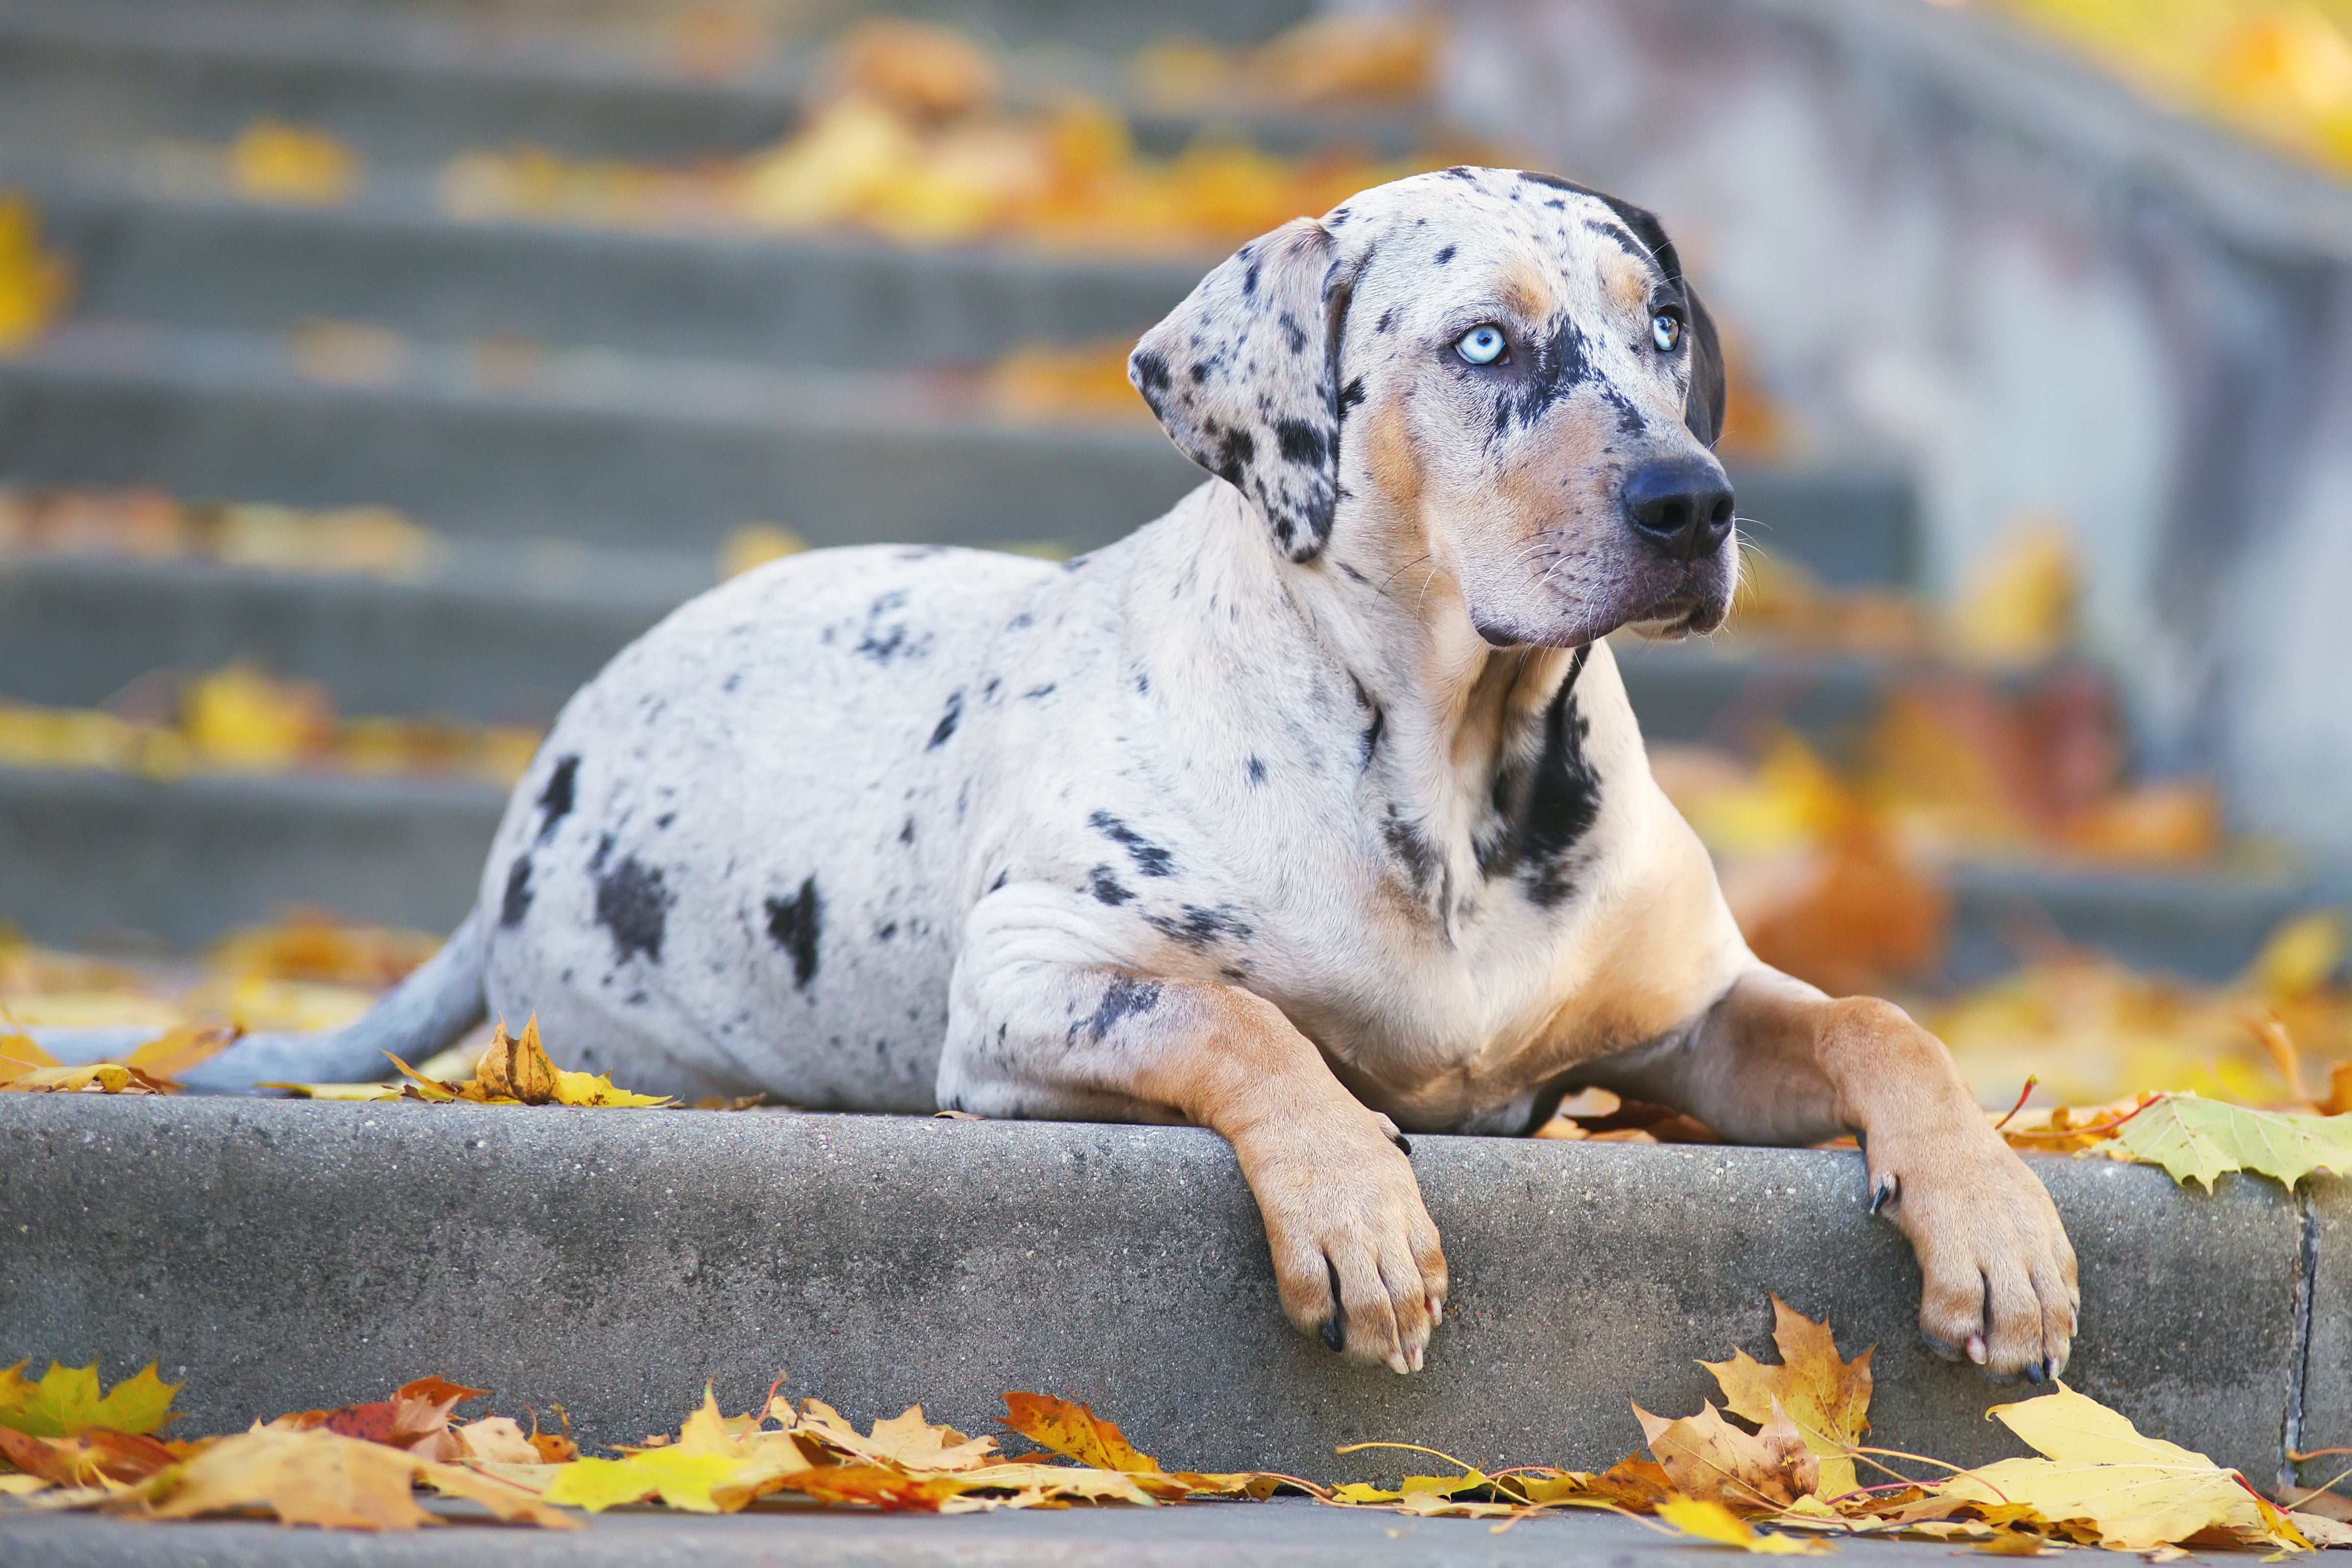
[(1702, 402), (1244, 377)]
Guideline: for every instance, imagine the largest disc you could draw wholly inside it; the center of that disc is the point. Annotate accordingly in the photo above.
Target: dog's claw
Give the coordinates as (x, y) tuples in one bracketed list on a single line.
[(1335, 1327), (1884, 1193), (1977, 1349), (2035, 1371), (1404, 1144)]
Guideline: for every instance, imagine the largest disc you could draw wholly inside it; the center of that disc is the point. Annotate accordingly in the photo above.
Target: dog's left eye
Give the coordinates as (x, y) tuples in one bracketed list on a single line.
[(1481, 345), (1666, 332)]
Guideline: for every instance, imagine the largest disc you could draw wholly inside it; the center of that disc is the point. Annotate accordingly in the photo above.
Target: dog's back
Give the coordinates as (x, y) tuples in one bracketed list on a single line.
[(739, 791)]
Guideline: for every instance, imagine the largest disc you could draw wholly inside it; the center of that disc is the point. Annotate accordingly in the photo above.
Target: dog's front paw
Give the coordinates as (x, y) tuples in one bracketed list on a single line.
[(1355, 1253), (1998, 1270)]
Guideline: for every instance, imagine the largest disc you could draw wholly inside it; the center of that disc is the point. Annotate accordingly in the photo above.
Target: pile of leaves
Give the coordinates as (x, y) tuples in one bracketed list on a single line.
[(240, 719), (1781, 1467)]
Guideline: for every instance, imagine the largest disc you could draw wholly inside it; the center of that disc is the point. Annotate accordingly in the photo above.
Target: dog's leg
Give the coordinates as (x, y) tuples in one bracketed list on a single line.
[(1355, 1253), (1776, 1061)]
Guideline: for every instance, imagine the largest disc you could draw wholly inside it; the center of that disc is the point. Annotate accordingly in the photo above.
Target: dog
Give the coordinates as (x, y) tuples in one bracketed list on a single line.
[(1313, 812)]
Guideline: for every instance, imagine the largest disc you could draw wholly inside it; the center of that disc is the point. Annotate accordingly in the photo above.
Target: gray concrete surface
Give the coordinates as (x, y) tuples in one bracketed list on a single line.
[(390, 257), (2324, 1419), (108, 860), (283, 1255), (601, 447), (1279, 1534)]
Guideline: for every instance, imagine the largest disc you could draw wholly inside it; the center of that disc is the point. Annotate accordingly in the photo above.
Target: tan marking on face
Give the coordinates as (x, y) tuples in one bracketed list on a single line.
[(1560, 466), (1526, 293), (1388, 452), (1627, 283)]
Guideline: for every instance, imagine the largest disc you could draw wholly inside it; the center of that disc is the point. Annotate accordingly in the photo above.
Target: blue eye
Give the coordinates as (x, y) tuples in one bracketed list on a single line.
[(1481, 345), (1666, 332)]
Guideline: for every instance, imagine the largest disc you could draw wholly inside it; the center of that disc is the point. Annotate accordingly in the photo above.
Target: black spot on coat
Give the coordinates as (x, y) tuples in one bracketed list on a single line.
[(948, 721), (517, 902), (797, 924), (634, 905), (555, 800), (1107, 887), (1196, 928), (1124, 998), (1543, 810), (1150, 858)]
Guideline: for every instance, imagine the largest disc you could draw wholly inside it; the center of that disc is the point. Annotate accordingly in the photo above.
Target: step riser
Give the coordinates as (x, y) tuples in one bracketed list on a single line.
[(289, 1257), (74, 637), (84, 856), (838, 305), (495, 471)]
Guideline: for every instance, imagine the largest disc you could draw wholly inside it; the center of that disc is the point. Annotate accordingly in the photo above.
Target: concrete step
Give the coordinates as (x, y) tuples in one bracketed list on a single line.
[(389, 258), (93, 857), (418, 83), (588, 446), (285, 1255), (501, 633), (103, 859), (1286, 1532)]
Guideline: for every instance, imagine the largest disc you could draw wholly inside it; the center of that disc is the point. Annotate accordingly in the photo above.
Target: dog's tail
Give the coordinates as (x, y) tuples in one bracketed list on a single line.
[(425, 1014)]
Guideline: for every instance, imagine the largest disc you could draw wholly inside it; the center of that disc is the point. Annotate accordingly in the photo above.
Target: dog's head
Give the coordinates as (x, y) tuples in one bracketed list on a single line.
[(1501, 372)]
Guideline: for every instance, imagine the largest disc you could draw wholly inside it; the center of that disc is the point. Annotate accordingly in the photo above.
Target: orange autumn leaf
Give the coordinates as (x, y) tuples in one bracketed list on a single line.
[(1709, 1458), (1076, 1431), (319, 1477), (1826, 1396)]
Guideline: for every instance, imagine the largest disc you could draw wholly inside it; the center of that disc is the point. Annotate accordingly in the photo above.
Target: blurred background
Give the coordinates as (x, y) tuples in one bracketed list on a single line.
[(371, 370)]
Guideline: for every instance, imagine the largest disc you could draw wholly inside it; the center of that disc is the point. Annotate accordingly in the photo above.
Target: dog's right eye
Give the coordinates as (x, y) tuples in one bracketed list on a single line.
[(1481, 345)]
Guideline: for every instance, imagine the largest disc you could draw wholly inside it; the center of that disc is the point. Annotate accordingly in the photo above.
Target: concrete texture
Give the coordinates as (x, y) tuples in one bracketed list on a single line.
[(597, 447), (2324, 1419), (100, 858), (392, 259), (1287, 1532), (284, 1255)]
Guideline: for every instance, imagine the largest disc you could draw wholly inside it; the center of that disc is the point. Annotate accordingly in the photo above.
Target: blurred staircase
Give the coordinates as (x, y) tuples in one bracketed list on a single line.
[(586, 414)]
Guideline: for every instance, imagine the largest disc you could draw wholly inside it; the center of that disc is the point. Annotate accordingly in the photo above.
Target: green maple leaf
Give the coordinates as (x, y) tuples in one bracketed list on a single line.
[(2197, 1140), (66, 1402)]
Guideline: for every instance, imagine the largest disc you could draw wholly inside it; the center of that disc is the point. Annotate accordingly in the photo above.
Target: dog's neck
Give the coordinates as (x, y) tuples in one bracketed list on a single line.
[(1449, 717)]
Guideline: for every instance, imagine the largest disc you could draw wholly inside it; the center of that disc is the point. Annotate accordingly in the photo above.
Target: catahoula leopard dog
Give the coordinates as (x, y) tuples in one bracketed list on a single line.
[(1313, 812)]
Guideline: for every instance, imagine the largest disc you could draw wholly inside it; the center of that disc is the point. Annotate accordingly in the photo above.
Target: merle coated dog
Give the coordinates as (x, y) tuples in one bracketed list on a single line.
[(1313, 812)]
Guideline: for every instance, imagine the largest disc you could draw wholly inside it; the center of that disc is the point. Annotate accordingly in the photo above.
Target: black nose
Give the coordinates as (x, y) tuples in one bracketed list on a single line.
[(1681, 507)]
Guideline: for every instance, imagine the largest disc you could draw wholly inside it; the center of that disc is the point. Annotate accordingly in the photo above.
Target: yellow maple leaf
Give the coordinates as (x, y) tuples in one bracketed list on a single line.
[(1826, 1396), (319, 1477), (517, 1071), (1709, 1460), (2197, 1140), (66, 1402), (906, 1440), (2140, 1492), (1713, 1522)]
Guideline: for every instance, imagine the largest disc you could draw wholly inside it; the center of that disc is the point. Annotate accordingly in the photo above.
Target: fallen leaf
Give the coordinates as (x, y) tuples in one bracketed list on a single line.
[(906, 1440), (517, 1071), (2321, 1531), (98, 1455), (416, 1418), (1827, 1398), (1075, 1430), (303, 1477), (66, 1402), (1708, 1459), (2140, 1492), (2197, 1140), (1712, 1521), (173, 1053), (497, 1439)]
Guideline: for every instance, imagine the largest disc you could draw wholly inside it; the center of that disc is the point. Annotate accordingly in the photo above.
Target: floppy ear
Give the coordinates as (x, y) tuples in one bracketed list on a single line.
[(1244, 377), (1703, 402)]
